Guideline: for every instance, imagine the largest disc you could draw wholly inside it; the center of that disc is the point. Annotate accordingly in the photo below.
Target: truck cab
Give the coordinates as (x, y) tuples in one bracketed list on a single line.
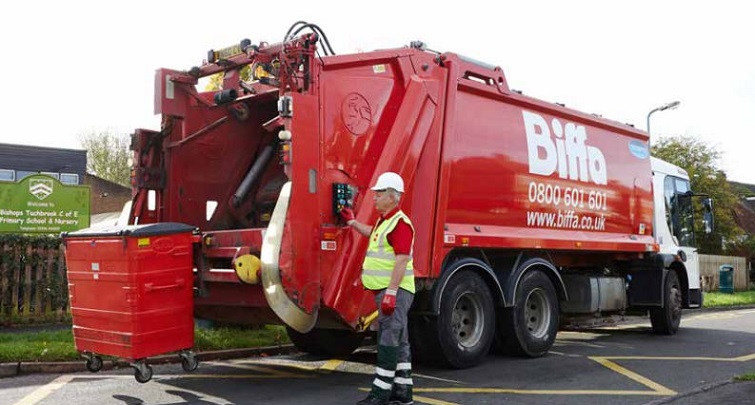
[(674, 221)]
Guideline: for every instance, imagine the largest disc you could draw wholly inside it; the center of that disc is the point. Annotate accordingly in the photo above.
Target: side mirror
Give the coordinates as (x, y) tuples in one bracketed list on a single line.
[(708, 215)]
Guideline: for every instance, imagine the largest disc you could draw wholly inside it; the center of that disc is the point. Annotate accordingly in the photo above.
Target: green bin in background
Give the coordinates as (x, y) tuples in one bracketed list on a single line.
[(726, 279)]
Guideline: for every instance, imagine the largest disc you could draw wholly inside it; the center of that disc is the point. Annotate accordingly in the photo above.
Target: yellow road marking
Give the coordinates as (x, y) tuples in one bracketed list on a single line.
[(745, 358), (42, 392), (279, 363), (235, 376), (331, 365), (532, 392), (430, 401), (660, 389), (266, 372), (667, 358), (424, 400)]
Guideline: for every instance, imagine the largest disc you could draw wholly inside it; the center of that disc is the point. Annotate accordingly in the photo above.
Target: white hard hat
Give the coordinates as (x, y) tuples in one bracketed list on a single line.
[(389, 180)]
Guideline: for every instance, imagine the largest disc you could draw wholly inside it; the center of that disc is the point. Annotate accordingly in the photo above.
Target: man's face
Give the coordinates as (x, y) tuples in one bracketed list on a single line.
[(384, 201)]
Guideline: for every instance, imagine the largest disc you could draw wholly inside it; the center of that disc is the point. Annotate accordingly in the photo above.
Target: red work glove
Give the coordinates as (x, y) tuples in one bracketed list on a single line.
[(388, 304), (347, 214)]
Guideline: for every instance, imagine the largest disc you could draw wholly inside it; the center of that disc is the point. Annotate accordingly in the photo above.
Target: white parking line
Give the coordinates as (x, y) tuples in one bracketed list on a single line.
[(45, 390)]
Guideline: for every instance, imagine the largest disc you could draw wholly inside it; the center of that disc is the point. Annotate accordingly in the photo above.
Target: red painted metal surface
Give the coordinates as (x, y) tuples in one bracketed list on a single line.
[(131, 297), (484, 167)]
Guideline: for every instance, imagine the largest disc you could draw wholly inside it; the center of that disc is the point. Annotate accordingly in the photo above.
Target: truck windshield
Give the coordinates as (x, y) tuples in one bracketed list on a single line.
[(679, 210)]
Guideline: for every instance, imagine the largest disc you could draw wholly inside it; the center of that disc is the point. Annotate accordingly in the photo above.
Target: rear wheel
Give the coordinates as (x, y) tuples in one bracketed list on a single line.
[(465, 325), (665, 320), (529, 328), (326, 342)]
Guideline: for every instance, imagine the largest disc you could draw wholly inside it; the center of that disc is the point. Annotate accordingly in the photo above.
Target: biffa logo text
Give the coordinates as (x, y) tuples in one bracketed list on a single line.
[(565, 151)]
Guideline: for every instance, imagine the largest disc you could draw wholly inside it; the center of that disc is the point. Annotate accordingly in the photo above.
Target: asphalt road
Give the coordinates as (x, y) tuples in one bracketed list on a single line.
[(617, 366)]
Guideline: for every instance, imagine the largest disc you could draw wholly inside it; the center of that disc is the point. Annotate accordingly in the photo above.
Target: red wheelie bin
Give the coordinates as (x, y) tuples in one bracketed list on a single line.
[(131, 294)]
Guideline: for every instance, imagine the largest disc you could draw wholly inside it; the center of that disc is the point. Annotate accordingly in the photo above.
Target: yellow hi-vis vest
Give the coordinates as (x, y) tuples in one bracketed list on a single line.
[(381, 258)]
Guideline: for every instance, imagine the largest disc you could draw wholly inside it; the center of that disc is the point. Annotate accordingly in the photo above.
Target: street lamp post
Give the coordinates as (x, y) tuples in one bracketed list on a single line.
[(669, 106)]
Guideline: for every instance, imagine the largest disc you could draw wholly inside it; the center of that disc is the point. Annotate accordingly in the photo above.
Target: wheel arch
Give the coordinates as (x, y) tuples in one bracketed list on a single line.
[(453, 267), (681, 273), (524, 265)]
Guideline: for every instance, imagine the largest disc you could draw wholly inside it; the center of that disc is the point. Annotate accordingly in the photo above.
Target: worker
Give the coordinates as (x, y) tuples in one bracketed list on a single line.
[(388, 271)]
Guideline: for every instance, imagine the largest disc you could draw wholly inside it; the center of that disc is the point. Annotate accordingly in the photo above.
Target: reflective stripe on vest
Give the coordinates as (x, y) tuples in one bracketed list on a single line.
[(381, 258)]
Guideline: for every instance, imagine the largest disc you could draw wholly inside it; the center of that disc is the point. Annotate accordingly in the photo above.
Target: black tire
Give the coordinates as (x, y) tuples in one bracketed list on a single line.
[(465, 326), (529, 328), (189, 363), (143, 378), (665, 320), (94, 364), (326, 342)]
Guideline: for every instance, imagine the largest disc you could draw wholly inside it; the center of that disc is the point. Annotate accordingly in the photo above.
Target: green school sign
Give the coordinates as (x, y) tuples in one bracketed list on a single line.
[(42, 204)]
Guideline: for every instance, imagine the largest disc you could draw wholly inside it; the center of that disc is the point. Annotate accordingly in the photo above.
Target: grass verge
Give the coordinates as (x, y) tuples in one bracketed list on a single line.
[(717, 299), (37, 346), (58, 345), (745, 377)]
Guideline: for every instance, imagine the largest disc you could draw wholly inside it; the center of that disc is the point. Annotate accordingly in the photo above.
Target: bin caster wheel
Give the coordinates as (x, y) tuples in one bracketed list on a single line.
[(143, 373), (94, 364), (189, 362)]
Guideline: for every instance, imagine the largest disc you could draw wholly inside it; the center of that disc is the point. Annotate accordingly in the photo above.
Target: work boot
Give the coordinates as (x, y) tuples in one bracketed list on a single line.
[(401, 394), (372, 400)]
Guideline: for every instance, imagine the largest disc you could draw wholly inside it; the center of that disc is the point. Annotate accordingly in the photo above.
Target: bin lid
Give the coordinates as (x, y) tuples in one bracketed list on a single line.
[(726, 267), (162, 228)]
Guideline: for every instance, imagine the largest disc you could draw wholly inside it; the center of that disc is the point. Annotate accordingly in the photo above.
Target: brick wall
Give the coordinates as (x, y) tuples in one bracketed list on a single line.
[(106, 196)]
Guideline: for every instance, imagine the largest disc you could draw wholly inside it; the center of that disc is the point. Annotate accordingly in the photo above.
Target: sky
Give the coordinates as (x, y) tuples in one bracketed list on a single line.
[(78, 67)]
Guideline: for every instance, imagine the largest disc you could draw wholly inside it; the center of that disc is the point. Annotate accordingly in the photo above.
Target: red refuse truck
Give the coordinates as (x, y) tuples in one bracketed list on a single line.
[(528, 215)]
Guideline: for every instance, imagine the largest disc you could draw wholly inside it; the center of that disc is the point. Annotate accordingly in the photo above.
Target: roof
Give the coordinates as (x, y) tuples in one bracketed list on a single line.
[(744, 216), (43, 159)]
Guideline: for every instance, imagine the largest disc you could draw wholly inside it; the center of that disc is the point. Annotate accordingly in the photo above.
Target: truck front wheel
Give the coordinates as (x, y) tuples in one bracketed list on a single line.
[(665, 320), (529, 328)]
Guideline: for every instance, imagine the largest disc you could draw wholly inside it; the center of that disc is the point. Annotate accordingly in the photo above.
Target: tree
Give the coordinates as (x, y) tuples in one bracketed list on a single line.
[(108, 156), (216, 81), (701, 163)]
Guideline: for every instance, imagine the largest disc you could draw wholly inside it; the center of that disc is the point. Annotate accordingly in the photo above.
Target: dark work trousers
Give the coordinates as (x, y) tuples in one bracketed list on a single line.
[(393, 373)]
